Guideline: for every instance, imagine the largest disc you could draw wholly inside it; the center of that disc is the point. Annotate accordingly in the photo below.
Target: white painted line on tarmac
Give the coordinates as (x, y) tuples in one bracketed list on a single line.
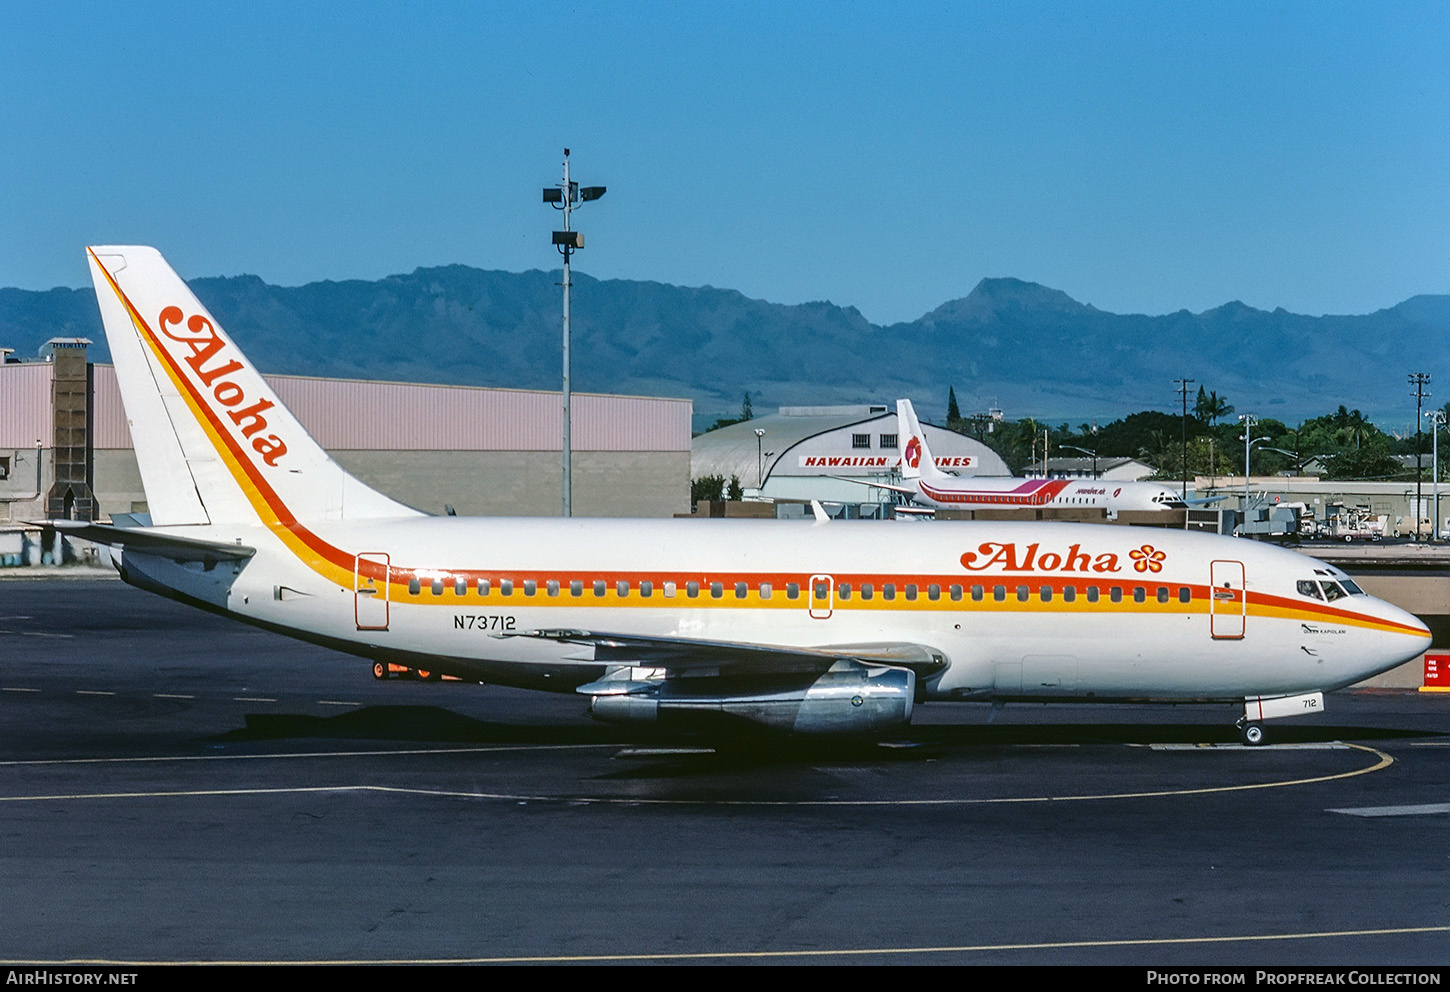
[(1262, 749), (252, 699), (336, 702), (16, 689), (93, 692), (171, 695), (1421, 810)]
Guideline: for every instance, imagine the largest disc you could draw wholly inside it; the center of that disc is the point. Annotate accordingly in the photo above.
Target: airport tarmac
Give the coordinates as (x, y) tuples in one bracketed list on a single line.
[(177, 787)]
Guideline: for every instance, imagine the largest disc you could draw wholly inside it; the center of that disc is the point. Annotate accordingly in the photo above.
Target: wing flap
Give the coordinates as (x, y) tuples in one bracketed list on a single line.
[(684, 655)]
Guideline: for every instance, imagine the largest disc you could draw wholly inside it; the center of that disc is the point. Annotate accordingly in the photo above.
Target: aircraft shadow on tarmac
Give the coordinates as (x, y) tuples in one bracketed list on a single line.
[(437, 725)]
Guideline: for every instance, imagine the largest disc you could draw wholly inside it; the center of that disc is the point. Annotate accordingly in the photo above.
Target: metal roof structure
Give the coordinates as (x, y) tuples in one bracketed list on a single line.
[(736, 451)]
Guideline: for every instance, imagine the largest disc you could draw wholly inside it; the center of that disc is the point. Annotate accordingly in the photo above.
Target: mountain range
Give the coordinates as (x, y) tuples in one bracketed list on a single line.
[(1026, 348)]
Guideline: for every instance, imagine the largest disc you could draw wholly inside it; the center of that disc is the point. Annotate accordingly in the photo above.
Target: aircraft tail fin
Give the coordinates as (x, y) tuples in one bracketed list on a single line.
[(213, 442), (916, 460)]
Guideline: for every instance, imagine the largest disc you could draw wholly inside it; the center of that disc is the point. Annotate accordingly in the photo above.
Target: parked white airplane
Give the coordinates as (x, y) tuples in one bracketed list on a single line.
[(804, 627), (923, 481)]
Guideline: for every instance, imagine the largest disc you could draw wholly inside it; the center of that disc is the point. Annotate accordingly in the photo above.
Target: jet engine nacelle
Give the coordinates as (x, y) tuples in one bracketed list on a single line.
[(851, 698)]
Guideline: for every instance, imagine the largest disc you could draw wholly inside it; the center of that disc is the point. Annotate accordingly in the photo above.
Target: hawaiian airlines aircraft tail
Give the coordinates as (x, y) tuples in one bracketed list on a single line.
[(916, 458), (213, 442)]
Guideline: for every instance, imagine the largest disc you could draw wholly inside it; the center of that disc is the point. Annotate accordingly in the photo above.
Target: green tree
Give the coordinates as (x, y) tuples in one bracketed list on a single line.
[(954, 413)]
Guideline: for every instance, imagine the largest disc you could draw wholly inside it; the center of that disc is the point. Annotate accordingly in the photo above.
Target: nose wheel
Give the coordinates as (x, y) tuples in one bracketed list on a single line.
[(1252, 734)]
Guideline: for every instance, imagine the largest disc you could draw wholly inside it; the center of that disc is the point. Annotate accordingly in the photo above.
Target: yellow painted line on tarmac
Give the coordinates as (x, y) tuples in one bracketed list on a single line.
[(780, 955)]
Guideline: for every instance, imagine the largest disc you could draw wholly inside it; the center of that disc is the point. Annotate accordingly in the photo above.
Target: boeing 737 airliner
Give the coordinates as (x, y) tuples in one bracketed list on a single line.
[(809, 627), (924, 482)]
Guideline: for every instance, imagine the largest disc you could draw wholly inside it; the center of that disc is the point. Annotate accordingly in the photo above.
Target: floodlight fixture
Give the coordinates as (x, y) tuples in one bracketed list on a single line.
[(591, 193)]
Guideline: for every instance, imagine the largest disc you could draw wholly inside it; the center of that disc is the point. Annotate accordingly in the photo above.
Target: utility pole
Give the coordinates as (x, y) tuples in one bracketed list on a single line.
[(1421, 382), (1183, 385), (1437, 421), (564, 197)]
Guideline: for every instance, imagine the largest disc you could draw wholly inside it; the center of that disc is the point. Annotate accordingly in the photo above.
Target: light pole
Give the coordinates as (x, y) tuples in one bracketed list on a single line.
[(1420, 380), (1183, 385), (1248, 420), (759, 459), (1073, 447), (564, 197), (1437, 421)]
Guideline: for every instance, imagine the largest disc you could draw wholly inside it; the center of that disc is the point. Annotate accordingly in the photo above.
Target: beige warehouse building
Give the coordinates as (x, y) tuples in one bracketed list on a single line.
[(66, 451)]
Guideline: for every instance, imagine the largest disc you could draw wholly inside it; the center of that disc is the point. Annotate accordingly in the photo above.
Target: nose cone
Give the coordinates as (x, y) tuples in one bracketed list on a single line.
[(1405, 636)]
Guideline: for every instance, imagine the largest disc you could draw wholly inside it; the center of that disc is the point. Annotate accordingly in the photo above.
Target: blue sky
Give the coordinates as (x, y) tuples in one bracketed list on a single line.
[(1142, 157)]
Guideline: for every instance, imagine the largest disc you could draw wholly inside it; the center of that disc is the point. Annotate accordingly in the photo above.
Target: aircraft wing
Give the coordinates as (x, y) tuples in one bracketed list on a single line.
[(681, 655), (145, 539)]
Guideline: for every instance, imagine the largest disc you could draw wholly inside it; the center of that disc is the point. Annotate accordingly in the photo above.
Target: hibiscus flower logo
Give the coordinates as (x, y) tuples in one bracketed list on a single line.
[(1147, 559), (913, 452)]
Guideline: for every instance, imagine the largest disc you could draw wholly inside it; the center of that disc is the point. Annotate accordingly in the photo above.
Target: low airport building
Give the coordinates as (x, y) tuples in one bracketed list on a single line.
[(66, 449), (829, 453)]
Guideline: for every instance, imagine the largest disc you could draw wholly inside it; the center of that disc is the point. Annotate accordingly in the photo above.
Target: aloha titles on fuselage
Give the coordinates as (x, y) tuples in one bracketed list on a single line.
[(205, 344), (1010, 557)]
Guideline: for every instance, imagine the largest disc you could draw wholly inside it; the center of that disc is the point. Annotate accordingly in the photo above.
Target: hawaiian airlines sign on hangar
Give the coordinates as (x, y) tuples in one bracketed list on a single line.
[(867, 448), (880, 461)]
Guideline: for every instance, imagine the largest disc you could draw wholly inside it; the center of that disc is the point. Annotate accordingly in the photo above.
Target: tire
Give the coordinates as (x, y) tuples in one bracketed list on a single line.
[(1252, 734), (380, 669)]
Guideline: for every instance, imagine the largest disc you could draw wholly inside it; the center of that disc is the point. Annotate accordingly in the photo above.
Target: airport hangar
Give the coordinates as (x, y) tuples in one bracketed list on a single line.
[(66, 451), (808, 452)]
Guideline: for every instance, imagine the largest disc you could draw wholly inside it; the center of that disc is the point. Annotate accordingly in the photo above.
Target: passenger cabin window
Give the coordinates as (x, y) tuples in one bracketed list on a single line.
[(506, 587), (646, 589), (933, 592), (1045, 594), (1139, 594), (692, 589), (999, 593), (843, 591), (531, 586), (1116, 594), (415, 586), (1069, 594), (717, 589), (888, 591), (483, 587), (956, 593), (460, 586), (867, 590), (1185, 594), (553, 587), (669, 590), (576, 587), (437, 587), (765, 590), (621, 589), (740, 590), (1092, 594), (600, 587), (792, 590), (1163, 594), (910, 591)]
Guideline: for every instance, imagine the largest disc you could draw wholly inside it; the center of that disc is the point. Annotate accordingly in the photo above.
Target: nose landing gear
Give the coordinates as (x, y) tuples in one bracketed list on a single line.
[(1251, 733)]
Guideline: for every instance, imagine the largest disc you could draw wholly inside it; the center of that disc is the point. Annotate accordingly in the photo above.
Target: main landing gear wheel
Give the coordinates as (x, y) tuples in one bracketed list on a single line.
[(1252, 734), (380, 670)]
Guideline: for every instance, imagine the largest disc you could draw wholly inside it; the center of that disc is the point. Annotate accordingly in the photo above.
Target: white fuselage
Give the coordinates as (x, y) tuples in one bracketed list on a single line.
[(1017, 610)]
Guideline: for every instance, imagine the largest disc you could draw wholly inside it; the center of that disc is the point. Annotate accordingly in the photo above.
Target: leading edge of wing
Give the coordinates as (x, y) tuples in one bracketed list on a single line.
[(685, 654)]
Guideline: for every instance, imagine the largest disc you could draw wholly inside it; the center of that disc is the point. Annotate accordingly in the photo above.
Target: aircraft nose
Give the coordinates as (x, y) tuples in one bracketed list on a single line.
[(1412, 636)]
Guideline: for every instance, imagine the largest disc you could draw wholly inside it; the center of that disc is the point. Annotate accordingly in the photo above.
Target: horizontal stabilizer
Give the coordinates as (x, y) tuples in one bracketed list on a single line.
[(147, 540)]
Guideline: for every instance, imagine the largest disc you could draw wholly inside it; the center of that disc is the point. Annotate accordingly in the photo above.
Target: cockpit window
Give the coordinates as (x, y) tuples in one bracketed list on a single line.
[(1171, 501), (1333, 591), (1354, 590), (1309, 589)]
